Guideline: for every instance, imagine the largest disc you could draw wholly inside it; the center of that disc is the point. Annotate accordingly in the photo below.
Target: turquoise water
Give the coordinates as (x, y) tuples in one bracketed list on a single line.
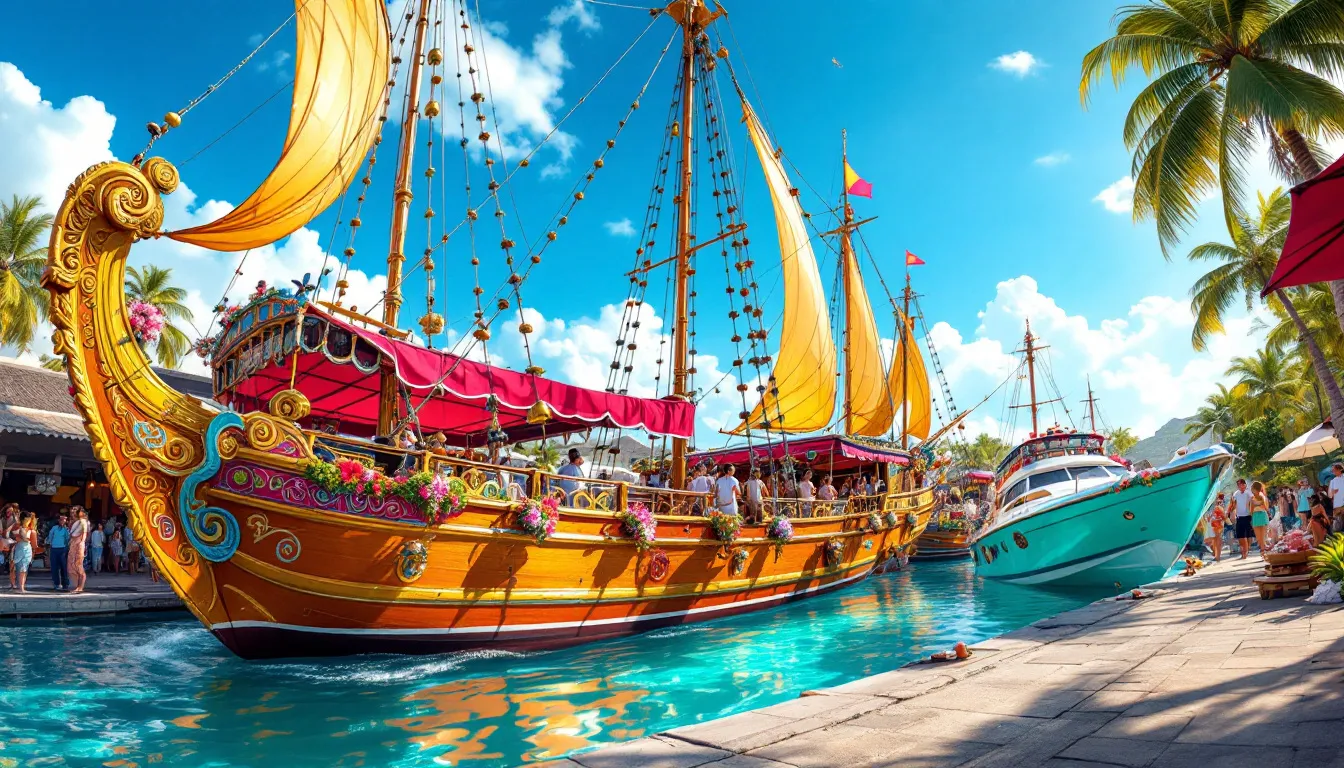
[(161, 690)]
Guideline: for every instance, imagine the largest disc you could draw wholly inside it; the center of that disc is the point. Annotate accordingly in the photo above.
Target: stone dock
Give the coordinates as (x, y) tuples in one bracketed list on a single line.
[(105, 594), (1204, 673)]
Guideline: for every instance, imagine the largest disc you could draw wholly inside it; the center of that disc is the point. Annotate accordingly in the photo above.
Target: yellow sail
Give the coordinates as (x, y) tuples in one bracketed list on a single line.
[(868, 404), (340, 76), (803, 395), (907, 368)]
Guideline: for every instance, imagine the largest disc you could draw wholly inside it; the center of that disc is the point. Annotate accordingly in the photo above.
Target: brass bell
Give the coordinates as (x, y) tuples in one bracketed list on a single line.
[(432, 109), (676, 128), (435, 57)]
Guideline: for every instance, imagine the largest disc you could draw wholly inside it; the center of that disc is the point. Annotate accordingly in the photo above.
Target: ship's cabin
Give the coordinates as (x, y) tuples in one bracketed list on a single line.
[(1049, 467)]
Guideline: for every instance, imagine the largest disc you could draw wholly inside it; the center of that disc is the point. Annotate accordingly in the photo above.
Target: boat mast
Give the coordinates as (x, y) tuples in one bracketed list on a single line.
[(401, 207), (1091, 406), (690, 25), (1031, 376), (845, 251), (905, 363)]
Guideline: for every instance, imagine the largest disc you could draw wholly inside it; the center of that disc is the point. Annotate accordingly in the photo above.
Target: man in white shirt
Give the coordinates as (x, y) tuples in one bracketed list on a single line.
[(726, 490), (699, 483), (573, 469), (1241, 507), (1336, 491)]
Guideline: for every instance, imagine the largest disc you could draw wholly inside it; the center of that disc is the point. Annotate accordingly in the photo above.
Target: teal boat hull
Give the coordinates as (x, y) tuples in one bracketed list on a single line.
[(1103, 537)]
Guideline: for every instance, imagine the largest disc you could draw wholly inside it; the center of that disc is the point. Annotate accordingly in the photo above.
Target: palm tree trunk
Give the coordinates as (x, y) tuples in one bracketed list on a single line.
[(1322, 368), (1308, 168)]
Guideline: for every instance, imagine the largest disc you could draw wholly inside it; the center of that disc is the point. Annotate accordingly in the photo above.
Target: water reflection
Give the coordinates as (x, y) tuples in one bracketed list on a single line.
[(149, 691)]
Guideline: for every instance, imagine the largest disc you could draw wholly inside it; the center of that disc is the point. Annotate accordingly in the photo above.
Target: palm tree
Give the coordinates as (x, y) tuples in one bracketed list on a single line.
[(1316, 307), (1265, 382), (1215, 416), (986, 451), (546, 454), (1121, 440), (1244, 270), (51, 363), (151, 285), (23, 255), (1222, 71)]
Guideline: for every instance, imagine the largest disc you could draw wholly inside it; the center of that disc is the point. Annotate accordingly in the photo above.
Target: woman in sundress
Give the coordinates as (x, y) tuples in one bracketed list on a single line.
[(79, 540)]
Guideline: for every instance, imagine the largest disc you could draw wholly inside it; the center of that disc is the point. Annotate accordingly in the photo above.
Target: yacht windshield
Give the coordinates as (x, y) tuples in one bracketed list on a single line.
[(1092, 473), (1050, 478)]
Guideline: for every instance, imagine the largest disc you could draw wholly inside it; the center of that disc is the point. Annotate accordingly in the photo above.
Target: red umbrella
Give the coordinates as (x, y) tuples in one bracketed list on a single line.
[(1314, 251)]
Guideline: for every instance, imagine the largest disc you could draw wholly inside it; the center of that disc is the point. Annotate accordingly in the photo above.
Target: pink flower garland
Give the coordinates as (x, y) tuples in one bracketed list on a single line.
[(147, 321)]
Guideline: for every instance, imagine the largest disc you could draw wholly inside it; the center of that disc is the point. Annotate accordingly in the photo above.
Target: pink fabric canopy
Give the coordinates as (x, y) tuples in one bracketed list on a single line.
[(832, 452), (337, 371), (1314, 250)]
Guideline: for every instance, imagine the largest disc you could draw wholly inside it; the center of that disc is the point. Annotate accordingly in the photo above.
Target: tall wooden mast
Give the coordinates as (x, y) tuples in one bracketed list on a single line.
[(845, 254), (1031, 376), (905, 363), (1091, 407), (401, 207), (693, 17)]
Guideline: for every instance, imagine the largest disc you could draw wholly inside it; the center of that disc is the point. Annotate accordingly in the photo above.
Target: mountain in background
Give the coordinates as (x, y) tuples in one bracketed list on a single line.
[(630, 449), (1161, 447)]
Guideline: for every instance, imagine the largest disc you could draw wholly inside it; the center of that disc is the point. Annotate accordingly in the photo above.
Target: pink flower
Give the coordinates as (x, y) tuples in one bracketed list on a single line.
[(551, 503), (550, 526), (351, 470)]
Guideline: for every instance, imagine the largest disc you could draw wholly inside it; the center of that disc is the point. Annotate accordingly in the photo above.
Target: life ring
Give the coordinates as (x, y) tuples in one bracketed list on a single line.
[(658, 565)]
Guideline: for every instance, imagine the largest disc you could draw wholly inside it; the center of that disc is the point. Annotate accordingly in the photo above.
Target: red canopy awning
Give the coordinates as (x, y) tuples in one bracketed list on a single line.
[(1314, 250), (338, 372), (827, 452)]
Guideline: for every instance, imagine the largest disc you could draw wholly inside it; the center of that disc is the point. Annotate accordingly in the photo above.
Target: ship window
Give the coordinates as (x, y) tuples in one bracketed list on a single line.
[(1018, 488), (1090, 473), (1050, 478), (313, 331), (339, 343)]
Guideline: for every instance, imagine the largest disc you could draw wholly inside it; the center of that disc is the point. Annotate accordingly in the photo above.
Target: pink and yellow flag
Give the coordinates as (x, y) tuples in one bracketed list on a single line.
[(911, 260), (855, 185)]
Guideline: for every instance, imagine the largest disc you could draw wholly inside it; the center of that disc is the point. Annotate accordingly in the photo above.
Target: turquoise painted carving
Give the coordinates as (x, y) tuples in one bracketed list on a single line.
[(150, 436), (212, 531)]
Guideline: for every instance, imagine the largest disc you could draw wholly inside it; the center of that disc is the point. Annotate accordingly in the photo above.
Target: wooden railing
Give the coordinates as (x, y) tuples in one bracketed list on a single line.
[(666, 501), (474, 479), (581, 492)]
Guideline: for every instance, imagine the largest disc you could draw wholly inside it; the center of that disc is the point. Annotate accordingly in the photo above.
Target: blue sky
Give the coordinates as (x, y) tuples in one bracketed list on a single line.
[(967, 122)]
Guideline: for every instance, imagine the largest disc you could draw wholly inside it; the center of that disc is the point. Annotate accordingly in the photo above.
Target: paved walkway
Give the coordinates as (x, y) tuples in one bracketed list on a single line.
[(105, 593), (1203, 674)]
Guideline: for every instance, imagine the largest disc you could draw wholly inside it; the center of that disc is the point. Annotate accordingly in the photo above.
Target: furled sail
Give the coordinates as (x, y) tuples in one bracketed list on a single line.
[(868, 404), (907, 368), (802, 398), (340, 76)]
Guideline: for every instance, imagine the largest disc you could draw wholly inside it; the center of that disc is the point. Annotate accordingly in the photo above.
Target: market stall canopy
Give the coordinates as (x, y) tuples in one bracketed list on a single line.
[(1315, 443), (825, 452), (338, 363), (1314, 250)]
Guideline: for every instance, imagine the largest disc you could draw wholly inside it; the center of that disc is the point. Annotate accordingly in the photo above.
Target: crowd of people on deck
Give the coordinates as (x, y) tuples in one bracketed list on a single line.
[(70, 546), (1259, 515)]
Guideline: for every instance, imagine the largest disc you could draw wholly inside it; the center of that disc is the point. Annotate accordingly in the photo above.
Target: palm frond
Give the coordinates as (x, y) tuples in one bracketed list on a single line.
[(1150, 52), (1283, 95), (1304, 23), (1167, 91), (1176, 164)]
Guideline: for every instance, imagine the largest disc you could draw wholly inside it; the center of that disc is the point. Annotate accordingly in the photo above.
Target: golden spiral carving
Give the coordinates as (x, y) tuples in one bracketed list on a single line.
[(161, 173), (228, 446), (131, 204), (262, 434), (290, 404)]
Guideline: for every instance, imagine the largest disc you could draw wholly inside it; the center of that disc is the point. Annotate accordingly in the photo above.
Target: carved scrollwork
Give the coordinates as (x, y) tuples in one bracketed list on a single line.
[(290, 404), (272, 435), (287, 549)]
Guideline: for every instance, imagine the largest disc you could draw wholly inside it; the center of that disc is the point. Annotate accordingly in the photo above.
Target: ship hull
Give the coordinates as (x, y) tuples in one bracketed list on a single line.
[(941, 545), (1104, 538)]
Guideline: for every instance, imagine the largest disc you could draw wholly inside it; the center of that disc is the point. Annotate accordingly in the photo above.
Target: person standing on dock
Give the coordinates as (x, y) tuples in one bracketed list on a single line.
[(1336, 492), (58, 543), (97, 540), (79, 539), (1241, 508), (1303, 498), (1213, 526), (25, 534)]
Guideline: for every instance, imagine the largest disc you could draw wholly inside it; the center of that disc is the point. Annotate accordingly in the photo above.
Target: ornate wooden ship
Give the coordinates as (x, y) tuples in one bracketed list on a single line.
[(295, 522)]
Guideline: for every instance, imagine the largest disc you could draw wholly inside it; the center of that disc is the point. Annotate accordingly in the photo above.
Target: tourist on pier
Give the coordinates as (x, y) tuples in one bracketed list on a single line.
[(79, 540), (1259, 515), (1213, 527), (726, 490), (24, 533), (755, 492), (58, 542), (97, 541), (9, 521), (1336, 493), (1303, 498), (1241, 510), (118, 552), (1287, 508), (132, 551), (1319, 524)]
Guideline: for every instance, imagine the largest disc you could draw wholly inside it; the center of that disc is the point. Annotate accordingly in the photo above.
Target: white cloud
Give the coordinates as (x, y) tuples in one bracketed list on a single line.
[(1053, 159), (1019, 63), (523, 91), (1141, 365), (1118, 197), (579, 11), (45, 147), (622, 228)]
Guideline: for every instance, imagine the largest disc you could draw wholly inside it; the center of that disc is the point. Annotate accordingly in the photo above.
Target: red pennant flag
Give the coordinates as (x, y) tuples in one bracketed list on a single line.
[(911, 260)]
